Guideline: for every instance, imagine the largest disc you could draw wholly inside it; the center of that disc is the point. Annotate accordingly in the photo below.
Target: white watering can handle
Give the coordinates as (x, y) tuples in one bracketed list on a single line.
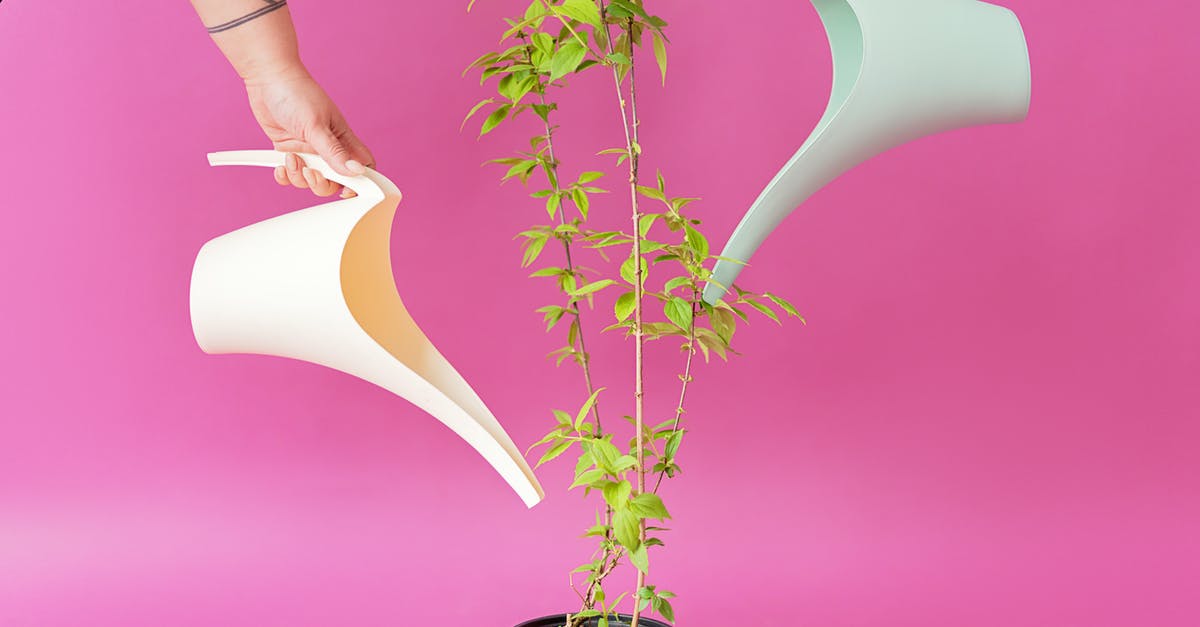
[(363, 185)]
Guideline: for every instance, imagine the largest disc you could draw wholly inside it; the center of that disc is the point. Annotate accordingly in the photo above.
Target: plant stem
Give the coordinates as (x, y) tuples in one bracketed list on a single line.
[(687, 378), (574, 307), (589, 597), (639, 338)]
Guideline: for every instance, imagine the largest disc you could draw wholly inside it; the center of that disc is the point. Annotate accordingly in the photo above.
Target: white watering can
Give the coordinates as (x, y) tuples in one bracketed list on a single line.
[(316, 285)]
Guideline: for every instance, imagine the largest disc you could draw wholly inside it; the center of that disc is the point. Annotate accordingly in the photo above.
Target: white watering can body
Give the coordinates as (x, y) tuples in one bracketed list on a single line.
[(317, 285)]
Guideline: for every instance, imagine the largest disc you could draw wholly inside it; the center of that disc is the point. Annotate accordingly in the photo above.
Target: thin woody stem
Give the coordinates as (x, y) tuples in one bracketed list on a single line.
[(630, 123), (588, 598), (574, 307), (687, 378), (639, 337)]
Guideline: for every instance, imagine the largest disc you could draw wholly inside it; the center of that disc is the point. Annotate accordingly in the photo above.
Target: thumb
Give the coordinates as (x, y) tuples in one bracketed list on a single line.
[(334, 152)]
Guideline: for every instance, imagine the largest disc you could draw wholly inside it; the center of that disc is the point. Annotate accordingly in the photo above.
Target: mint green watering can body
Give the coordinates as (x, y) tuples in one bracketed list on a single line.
[(902, 70)]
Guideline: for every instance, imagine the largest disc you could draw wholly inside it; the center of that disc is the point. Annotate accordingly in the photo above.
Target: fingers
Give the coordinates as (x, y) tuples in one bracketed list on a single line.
[(319, 185), (357, 158), (295, 173), (335, 153), (358, 151), (294, 170)]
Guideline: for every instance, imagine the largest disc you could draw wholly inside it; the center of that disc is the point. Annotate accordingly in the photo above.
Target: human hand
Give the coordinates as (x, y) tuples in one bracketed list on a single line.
[(298, 116)]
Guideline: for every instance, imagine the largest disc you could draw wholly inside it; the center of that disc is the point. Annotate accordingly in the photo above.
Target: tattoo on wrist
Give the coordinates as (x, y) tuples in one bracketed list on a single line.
[(253, 15)]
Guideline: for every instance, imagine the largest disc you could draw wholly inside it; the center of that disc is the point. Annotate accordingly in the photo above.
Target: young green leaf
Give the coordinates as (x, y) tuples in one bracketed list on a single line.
[(626, 527), (555, 451), (764, 310), (679, 312), (587, 478), (566, 59), (593, 287), (640, 558), (660, 54), (649, 505), (617, 494), (495, 119), (587, 406), (624, 306), (583, 10), (784, 305), (481, 104), (697, 242), (580, 198)]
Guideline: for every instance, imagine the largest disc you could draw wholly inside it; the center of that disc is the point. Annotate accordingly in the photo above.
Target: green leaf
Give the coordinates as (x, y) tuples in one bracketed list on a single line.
[(583, 10), (585, 460), (544, 272), (593, 287), (617, 494), (650, 192), (605, 454), (588, 177), (649, 505), (663, 607), (619, 59), (710, 341), (640, 559), (581, 201), (647, 221), (584, 568), (765, 310), (631, 7), (697, 242), (587, 406), (566, 59), (555, 451), (623, 463), (495, 119), (587, 478), (676, 283), (481, 104), (679, 312), (672, 446), (624, 306), (520, 170), (660, 54), (543, 110), (553, 202), (723, 323), (533, 250), (626, 528), (543, 41), (627, 270), (784, 305)]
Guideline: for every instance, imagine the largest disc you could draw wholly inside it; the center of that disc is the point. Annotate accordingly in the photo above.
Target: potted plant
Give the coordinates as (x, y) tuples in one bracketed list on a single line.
[(657, 267)]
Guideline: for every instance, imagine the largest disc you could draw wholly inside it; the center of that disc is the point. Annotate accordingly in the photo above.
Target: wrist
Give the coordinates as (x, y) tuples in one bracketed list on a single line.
[(266, 71), (263, 49)]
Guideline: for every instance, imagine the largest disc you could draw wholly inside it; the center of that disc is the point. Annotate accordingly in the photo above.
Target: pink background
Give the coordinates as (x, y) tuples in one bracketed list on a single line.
[(990, 420)]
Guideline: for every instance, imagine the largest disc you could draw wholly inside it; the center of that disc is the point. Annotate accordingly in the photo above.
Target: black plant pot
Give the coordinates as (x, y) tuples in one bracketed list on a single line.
[(558, 620)]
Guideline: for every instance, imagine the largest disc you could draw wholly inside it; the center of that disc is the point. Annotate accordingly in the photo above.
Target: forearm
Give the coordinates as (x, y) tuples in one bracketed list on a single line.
[(256, 36)]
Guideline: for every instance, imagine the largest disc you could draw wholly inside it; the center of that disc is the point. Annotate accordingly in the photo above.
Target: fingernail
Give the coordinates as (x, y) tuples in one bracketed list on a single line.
[(356, 167), (293, 162)]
